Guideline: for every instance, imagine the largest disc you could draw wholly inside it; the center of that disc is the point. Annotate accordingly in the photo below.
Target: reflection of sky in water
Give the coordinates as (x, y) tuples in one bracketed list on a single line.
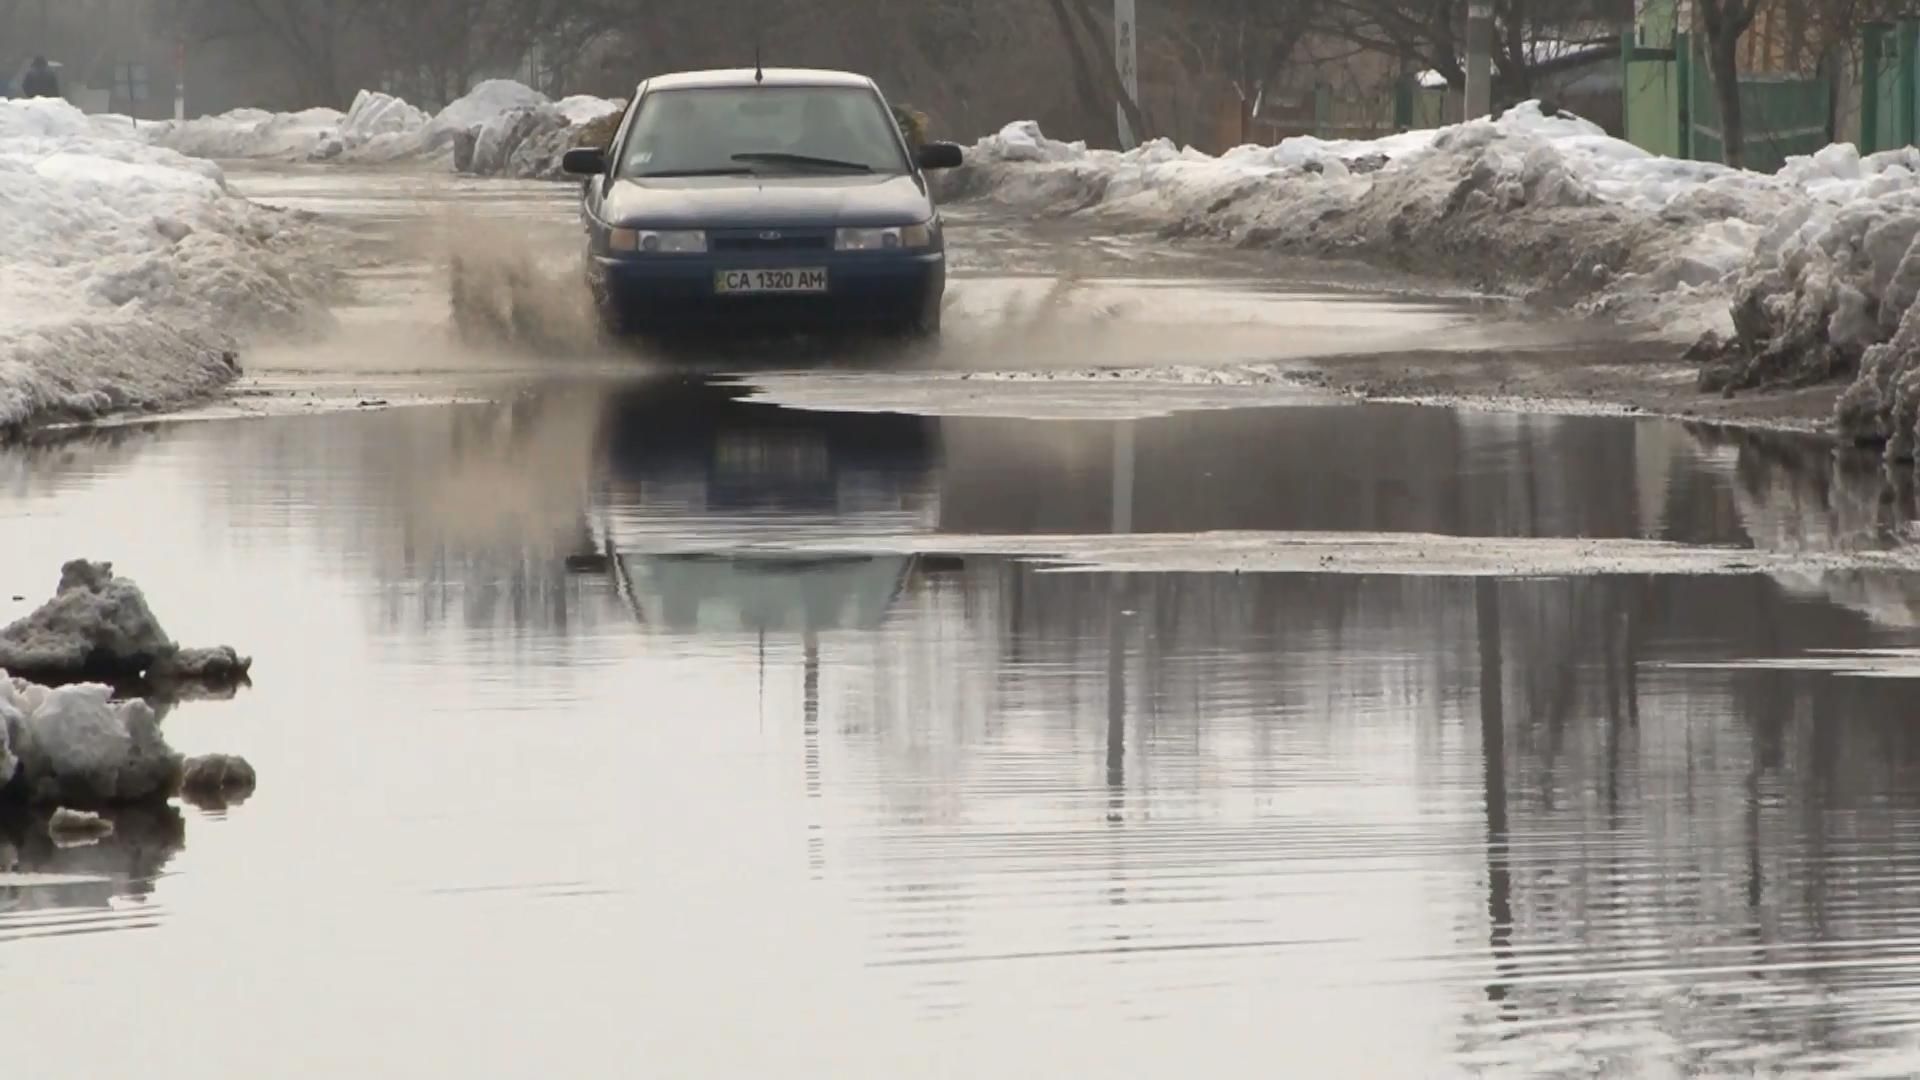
[(966, 814)]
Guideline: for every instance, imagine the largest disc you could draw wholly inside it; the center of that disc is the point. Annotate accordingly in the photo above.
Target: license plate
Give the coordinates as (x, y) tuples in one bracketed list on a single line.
[(770, 281)]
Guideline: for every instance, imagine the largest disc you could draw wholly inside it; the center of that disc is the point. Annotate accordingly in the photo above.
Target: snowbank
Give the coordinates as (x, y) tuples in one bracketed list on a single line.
[(129, 269), (1830, 292), (504, 126), (1544, 204), (99, 626), (250, 133), (1810, 272), (526, 144)]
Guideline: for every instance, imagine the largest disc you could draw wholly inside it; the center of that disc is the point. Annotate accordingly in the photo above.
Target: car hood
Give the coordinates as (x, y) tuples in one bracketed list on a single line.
[(747, 202)]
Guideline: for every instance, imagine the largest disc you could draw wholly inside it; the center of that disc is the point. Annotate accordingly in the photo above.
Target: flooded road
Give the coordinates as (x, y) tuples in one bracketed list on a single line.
[(970, 720), (565, 766)]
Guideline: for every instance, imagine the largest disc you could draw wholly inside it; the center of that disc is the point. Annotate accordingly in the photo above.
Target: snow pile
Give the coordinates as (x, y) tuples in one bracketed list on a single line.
[(378, 127), (251, 133), (75, 745), (1830, 292), (487, 100), (99, 625), (501, 128), (585, 108), (128, 268), (1542, 203), (526, 144), (1810, 273)]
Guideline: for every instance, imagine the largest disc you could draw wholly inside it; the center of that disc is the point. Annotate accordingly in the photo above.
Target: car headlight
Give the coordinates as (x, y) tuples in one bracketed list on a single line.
[(898, 238), (655, 242)]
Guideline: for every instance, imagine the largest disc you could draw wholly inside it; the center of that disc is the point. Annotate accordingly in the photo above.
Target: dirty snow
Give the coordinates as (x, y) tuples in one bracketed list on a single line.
[(497, 117), (74, 745), (99, 625), (250, 133), (1547, 205), (130, 270), (1809, 274)]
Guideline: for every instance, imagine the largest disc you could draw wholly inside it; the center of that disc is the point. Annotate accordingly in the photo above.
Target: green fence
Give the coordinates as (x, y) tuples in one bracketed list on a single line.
[(1889, 99), (1784, 117), (1672, 109)]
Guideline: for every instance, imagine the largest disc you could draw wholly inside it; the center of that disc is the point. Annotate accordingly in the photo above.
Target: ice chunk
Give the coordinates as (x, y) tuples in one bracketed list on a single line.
[(99, 626), (77, 746), (217, 781)]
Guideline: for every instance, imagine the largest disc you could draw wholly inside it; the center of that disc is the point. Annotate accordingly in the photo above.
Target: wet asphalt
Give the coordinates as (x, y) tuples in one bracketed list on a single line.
[(590, 740)]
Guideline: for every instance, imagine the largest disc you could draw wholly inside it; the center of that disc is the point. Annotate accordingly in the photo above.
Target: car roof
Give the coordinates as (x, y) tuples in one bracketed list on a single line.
[(727, 77)]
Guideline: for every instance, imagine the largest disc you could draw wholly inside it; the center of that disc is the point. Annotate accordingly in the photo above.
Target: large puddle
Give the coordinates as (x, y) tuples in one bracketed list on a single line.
[(591, 742)]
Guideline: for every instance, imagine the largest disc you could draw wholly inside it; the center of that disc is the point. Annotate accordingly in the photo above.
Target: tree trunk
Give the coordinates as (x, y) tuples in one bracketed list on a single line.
[(1724, 63)]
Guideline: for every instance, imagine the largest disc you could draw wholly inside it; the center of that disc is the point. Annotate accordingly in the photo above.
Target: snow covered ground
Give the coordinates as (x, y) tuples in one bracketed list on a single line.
[(1811, 271), (129, 272), (505, 127)]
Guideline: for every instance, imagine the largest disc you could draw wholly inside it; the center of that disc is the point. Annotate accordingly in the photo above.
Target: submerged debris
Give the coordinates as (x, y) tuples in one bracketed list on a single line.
[(217, 781), (77, 826), (99, 626)]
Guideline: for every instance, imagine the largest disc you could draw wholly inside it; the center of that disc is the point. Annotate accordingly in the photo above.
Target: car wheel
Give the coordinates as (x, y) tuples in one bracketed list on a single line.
[(925, 324), (615, 325)]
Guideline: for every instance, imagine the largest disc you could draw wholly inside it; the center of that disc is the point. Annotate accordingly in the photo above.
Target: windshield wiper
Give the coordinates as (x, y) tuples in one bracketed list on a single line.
[(804, 161), (694, 172)]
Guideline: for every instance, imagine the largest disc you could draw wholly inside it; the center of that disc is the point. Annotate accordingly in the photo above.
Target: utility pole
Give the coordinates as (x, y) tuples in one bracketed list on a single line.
[(180, 77), (1126, 62), (1479, 58)]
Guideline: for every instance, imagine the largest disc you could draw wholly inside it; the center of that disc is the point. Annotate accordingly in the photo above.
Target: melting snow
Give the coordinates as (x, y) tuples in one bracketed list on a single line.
[(99, 625), (74, 745), (128, 267)]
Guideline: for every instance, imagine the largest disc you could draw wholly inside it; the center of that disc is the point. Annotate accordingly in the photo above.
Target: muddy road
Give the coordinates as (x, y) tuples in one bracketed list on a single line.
[(974, 712)]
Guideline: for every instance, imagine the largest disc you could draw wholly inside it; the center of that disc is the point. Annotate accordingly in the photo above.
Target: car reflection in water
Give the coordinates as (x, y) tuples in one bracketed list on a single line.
[(694, 476)]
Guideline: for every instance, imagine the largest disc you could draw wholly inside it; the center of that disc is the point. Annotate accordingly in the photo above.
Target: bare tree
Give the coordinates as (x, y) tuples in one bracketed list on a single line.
[(1723, 23), (309, 36), (1249, 41)]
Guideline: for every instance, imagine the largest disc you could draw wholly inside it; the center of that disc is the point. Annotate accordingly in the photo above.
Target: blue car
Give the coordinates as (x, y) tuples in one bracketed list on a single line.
[(772, 199)]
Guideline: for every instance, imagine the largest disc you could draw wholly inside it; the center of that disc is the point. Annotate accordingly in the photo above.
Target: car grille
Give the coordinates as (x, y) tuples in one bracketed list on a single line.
[(771, 240)]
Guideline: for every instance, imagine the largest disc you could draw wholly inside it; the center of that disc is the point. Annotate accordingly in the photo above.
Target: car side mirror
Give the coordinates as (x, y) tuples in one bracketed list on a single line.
[(940, 155), (584, 161)]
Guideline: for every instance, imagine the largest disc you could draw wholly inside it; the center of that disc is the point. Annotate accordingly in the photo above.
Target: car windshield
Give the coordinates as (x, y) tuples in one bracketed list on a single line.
[(810, 129)]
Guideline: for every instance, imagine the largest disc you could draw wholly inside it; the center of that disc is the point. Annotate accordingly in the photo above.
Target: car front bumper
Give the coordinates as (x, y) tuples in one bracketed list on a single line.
[(672, 292)]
